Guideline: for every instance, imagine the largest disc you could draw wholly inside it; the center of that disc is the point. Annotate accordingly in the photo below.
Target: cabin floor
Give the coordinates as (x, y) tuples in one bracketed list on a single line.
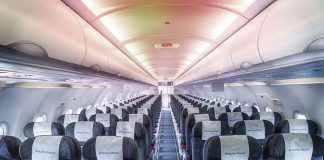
[(167, 143)]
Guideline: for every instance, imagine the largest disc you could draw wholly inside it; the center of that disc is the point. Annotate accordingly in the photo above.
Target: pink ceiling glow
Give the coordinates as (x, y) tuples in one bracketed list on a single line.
[(167, 37)]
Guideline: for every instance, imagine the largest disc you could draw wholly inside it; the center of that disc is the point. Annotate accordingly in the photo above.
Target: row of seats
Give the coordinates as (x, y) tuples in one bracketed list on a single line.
[(102, 137), (197, 126)]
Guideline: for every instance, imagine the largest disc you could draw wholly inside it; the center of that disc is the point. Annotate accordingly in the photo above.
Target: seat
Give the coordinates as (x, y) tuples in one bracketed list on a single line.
[(70, 118), (273, 117), (89, 112), (34, 129), (9, 147), (82, 131), (297, 126), (232, 117), (203, 131), (216, 111), (143, 119), (249, 110), (184, 114), (258, 129), (110, 147), (50, 147), (104, 109), (294, 146), (132, 130), (235, 147), (191, 120), (105, 119), (119, 112)]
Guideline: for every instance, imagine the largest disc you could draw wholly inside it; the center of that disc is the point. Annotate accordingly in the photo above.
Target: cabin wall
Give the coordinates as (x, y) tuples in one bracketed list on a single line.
[(306, 98)]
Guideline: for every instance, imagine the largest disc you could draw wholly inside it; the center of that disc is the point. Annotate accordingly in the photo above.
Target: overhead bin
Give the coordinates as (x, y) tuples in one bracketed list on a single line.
[(68, 38), (217, 62), (290, 27), (39, 23), (245, 48), (281, 30)]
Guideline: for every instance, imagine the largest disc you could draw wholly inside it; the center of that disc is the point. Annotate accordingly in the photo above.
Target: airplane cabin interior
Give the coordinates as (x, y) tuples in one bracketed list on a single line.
[(162, 80)]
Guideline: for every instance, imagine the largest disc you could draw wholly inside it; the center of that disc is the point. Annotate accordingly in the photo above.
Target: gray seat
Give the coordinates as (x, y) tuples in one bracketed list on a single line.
[(110, 147)]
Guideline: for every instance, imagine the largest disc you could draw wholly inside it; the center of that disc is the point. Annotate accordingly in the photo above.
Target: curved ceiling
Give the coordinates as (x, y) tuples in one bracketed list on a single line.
[(167, 37)]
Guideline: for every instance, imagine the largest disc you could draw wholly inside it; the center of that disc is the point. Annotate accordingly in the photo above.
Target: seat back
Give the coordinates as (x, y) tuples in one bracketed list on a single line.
[(249, 110), (50, 147), (34, 129), (70, 118), (119, 112), (297, 126), (294, 146), (89, 112), (192, 119), (216, 111), (236, 147), (258, 129), (143, 119), (232, 117), (110, 147), (82, 131), (9, 147), (105, 119), (132, 130), (104, 109), (184, 114), (273, 117), (203, 131)]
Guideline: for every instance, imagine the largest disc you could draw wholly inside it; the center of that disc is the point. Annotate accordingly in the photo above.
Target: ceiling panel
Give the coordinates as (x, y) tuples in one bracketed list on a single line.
[(167, 37)]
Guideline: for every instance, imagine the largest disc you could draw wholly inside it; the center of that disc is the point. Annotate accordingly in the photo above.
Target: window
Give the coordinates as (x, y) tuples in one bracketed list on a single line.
[(70, 111), (299, 115), (41, 118), (89, 106), (3, 128), (267, 109)]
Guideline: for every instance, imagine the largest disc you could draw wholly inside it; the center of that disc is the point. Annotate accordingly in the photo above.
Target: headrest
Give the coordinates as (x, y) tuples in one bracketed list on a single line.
[(90, 112), (229, 107), (104, 109), (188, 111), (236, 147), (104, 119), (34, 129), (294, 146), (9, 147), (257, 129), (297, 126), (50, 147), (70, 118), (142, 111), (132, 130), (232, 117), (195, 118), (273, 117), (119, 112), (216, 111), (84, 130), (140, 118), (249, 110), (110, 147), (207, 129)]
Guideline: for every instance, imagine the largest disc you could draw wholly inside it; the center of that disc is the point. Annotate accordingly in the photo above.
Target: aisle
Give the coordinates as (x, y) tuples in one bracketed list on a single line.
[(167, 145)]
